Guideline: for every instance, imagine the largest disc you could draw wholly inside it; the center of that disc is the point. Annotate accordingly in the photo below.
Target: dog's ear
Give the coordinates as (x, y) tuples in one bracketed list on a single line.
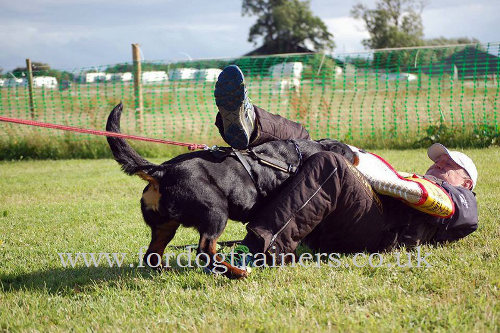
[(148, 178), (356, 159)]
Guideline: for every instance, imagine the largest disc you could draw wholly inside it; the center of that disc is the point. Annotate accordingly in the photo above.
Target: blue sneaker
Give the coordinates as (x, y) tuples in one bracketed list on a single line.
[(238, 116)]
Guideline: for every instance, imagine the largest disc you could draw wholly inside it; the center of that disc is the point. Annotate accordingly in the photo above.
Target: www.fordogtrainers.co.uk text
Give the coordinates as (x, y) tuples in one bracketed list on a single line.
[(189, 259)]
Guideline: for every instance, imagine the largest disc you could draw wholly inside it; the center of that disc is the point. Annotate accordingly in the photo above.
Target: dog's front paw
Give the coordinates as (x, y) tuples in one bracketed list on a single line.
[(227, 270), (237, 273)]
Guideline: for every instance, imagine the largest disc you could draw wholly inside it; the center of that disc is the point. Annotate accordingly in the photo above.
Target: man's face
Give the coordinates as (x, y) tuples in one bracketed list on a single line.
[(446, 169)]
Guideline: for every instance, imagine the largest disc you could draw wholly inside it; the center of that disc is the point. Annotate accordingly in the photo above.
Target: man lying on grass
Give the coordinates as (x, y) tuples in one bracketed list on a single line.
[(328, 204)]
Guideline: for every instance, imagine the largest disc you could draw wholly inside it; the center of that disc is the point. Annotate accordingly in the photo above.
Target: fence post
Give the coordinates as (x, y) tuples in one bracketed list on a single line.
[(137, 87), (30, 87)]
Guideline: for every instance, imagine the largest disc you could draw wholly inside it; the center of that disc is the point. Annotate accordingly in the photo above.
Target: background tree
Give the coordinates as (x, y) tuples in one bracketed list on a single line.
[(393, 23), (286, 26)]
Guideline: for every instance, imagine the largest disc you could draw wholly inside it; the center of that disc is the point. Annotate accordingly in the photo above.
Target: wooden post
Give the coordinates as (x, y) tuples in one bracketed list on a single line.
[(30, 87), (137, 87)]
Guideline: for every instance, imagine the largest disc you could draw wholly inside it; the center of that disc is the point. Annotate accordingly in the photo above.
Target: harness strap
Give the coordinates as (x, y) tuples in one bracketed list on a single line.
[(273, 162), (245, 164)]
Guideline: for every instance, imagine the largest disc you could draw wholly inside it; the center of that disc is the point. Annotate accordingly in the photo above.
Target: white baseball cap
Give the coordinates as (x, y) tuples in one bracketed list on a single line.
[(437, 149)]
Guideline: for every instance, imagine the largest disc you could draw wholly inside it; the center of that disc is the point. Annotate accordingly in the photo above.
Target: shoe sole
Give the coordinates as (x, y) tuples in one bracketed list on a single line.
[(229, 96)]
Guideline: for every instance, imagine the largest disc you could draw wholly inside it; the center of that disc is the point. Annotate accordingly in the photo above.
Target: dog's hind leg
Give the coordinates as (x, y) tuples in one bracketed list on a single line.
[(216, 263), (161, 235), (161, 232)]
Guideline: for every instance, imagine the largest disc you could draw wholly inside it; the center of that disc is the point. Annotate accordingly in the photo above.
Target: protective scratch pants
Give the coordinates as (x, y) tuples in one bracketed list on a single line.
[(328, 204)]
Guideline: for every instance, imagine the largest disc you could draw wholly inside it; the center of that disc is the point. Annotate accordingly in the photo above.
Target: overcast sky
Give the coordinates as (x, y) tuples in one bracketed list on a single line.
[(71, 34)]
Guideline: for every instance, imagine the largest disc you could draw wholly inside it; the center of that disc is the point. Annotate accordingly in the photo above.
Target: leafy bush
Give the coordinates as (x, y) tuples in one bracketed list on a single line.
[(481, 137)]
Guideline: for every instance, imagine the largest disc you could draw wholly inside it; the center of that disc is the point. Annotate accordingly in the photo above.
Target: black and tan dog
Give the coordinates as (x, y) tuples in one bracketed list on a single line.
[(203, 191)]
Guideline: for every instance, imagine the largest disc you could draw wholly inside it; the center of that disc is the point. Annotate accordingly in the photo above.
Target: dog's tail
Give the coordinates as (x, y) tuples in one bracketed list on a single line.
[(132, 163)]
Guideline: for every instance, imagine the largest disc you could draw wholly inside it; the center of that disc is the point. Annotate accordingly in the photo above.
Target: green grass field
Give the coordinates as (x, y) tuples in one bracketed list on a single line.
[(48, 207)]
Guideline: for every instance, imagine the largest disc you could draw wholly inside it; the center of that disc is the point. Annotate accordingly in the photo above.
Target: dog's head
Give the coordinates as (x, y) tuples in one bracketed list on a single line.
[(340, 148)]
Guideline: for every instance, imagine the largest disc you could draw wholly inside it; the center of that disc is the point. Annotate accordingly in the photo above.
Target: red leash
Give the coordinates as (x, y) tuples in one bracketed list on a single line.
[(190, 146)]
